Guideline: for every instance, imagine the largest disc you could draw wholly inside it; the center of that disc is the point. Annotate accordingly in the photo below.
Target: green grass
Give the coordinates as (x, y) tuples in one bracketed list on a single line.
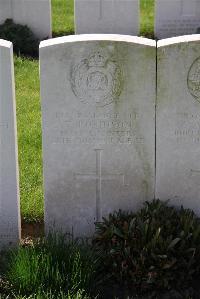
[(49, 295), (29, 114), (57, 266), (62, 17), (29, 138), (147, 18)]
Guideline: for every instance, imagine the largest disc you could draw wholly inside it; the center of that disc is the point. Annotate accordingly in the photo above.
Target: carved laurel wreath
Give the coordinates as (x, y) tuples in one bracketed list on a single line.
[(97, 79), (194, 79)]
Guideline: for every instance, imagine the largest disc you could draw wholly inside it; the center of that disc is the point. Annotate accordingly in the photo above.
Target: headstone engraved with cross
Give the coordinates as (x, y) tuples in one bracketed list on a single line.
[(9, 187), (107, 16), (98, 128), (176, 17)]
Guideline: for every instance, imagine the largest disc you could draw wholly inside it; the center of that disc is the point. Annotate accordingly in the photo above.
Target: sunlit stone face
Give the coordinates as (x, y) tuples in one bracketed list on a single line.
[(98, 128), (9, 191)]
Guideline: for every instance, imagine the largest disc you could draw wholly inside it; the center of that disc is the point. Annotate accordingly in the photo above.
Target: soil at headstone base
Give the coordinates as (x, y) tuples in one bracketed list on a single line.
[(32, 230)]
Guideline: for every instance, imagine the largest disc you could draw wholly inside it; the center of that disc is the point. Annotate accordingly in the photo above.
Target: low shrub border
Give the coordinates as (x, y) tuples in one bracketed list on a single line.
[(153, 253), (23, 39)]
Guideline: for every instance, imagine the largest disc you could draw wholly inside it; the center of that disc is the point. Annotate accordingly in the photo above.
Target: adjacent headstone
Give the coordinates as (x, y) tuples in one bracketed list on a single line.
[(36, 14), (5, 10), (107, 16), (176, 17), (178, 121), (9, 191), (98, 107)]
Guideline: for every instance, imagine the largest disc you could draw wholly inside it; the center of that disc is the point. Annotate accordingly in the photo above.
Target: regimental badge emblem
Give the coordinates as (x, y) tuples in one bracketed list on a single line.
[(194, 79), (97, 79)]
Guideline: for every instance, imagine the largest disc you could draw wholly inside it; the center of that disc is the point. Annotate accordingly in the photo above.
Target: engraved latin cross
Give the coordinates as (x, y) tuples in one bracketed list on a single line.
[(5, 125), (101, 8), (195, 171), (99, 177)]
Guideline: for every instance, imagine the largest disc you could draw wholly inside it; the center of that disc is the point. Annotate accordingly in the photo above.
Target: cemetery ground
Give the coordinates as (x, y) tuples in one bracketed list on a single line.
[(115, 263), (61, 267)]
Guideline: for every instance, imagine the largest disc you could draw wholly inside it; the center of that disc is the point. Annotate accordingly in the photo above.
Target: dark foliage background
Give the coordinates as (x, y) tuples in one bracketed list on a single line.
[(23, 39), (150, 252)]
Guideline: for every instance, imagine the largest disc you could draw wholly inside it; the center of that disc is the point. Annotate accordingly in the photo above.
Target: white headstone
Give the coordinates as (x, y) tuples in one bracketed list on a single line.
[(178, 121), (176, 17), (36, 14), (107, 16), (9, 191), (98, 107)]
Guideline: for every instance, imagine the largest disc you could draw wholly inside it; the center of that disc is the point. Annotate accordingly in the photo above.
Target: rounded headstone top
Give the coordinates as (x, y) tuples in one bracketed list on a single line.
[(178, 40), (5, 43), (98, 37)]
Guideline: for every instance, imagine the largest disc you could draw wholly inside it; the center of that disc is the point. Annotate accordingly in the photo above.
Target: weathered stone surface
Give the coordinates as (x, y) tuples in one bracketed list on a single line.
[(98, 107), (176, 17), (178, 121), (5, 10), (34, 13), (107, 16), (9, 192)]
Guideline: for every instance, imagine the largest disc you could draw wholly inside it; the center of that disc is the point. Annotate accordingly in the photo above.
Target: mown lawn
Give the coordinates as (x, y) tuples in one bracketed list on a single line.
[(62, 17), (147, 18), (29, 112)]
